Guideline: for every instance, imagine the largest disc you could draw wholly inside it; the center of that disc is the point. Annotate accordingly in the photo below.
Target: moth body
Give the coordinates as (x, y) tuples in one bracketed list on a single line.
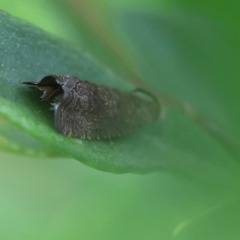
[(90, 111)]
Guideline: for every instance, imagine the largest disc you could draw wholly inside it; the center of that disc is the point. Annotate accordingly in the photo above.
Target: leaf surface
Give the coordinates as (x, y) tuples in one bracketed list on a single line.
[(174, 143)]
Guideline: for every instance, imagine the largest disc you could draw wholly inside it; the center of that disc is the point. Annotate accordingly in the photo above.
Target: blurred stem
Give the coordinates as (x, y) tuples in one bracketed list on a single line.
[(92, 13)]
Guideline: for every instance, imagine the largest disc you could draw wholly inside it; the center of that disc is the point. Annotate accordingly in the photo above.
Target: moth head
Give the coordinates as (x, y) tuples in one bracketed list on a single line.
[(51, 87), (56, 88)]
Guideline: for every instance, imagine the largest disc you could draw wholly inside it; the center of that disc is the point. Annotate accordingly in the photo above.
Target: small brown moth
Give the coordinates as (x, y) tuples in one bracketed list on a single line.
[(89, 111)]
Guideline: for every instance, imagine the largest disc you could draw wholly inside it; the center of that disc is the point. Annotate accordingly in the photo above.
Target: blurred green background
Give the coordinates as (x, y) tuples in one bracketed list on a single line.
[(50, 198)]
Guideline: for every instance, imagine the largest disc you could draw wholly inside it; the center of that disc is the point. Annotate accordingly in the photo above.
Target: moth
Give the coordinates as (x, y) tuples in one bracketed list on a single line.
[(90, 111)]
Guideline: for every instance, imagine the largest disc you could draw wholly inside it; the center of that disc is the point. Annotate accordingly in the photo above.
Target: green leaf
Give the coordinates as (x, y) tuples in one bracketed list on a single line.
[(27, 54), (174, 143), (9, 146), (11, 141)]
